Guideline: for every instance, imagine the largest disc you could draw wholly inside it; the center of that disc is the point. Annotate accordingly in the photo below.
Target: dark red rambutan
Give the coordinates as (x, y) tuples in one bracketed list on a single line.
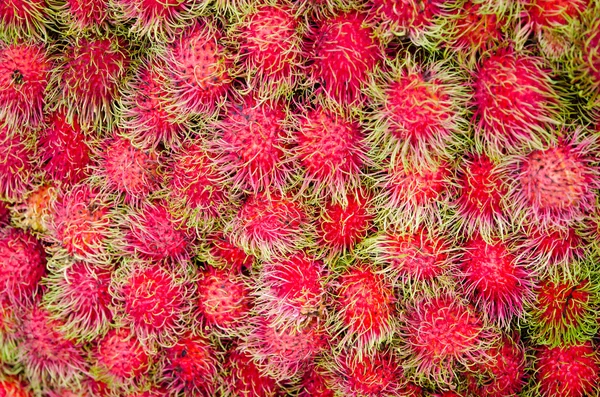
[(590, 54), (414, 18), (316, 381), (220, 252), (23, 19), (33, 213), (243, 378), (81, 15), (16, 167)]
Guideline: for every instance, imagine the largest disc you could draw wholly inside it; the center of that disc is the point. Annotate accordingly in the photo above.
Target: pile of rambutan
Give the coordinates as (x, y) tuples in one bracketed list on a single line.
[(328, 198)]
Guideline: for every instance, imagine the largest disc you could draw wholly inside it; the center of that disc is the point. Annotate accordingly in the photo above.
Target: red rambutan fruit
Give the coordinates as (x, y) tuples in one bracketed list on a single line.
[(268, 42), (267, 225), (223, 300), (364, 307), (282, 352), (12, 387), (332, 151), (494, 279), (243, 378), (88, 79), (343, 51), (34, 212), (291, 289), (251, 146), (316, 381), (126, 170), (198, 70), (80, 298), (120, 360), (22, 265), (23, 19), (440, 334), (413, 18), (590, 53), (557, 184), (515, 102), (81, 15), (64, 149), (567, 371), (220, 252), (80, 223), (9, 324), (16, 167), (190, 366), (147, 119), (153, 233), (152, 301), (46, 353), (4, 214), (565, 310), (24, 74)]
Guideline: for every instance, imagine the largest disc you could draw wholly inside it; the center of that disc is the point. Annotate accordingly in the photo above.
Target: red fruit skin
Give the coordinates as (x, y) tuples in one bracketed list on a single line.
[(343, 52), (591, 56), (372, 375), (223, 253), (244, 378), (83, 15), (24, 75), (4, 214), (551, 13), (22, 265), (16, 165), (64, 150), (567, 371), (407, 16), (13, 388), (549, 249), (23, 19), (316, 382)]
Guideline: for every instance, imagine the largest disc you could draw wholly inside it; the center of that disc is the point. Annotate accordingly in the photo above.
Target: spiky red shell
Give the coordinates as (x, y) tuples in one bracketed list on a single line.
[(547, 247), (227, 254), (23, 18), (418, 186), (245, 379), (13, 388), (251, 148), (24, 75), (4, 214), (591, 54), (476, 29), (365, 303), (80, 222), (128, 170), (86, 14), (553, 13), (316, 382), (191, 365), (341, 226), (120, 358), (64, 149), (152, 233), (370, 375), (223, 298), (343, 52), (16, 166), (567, 371), (331, 149), (412, 16), (494, 279), (513, 97), (22, 265), (198, 69)]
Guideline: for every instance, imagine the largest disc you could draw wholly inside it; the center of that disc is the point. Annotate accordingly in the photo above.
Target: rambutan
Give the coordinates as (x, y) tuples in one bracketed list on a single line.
[(9, 324), (343, 51), (251, 148), (590, 54), (22, 265), (494, 280), (331, 149), (87, 80), (316, 381), (80, 298), (364, 307), (64, 149), (219, 251), (81, 15), (567, 371), (34, 212), (198, 69), (12, 387), (23, 19), (4, 214), (24, 74), (243, 378), (515, 102), (16, 168)]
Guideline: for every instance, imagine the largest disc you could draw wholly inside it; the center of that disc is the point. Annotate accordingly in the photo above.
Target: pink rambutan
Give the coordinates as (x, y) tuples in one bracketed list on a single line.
[(243, 378), (223, 299), (12, 387), (251, 147), (80, 223), (120, 360), (269, 47), (88, 78), (22, 265), (126, 170), (413, 18), (440, 334), (316, 381), (46, 353), (152, 301), (191, 366), (16, 168), (144, 106), (332, 151), (494, 279), (198, 69), (291, 289), (23, 19), (343, 51), (80, 298), (514, 98), (24, 74), (151, 232), (268, 224), (564, 311), (567, 371), (4, 214), (81, 15), (364, 307), (343, 225), (220, 252), (556, 184), (64, 149)]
